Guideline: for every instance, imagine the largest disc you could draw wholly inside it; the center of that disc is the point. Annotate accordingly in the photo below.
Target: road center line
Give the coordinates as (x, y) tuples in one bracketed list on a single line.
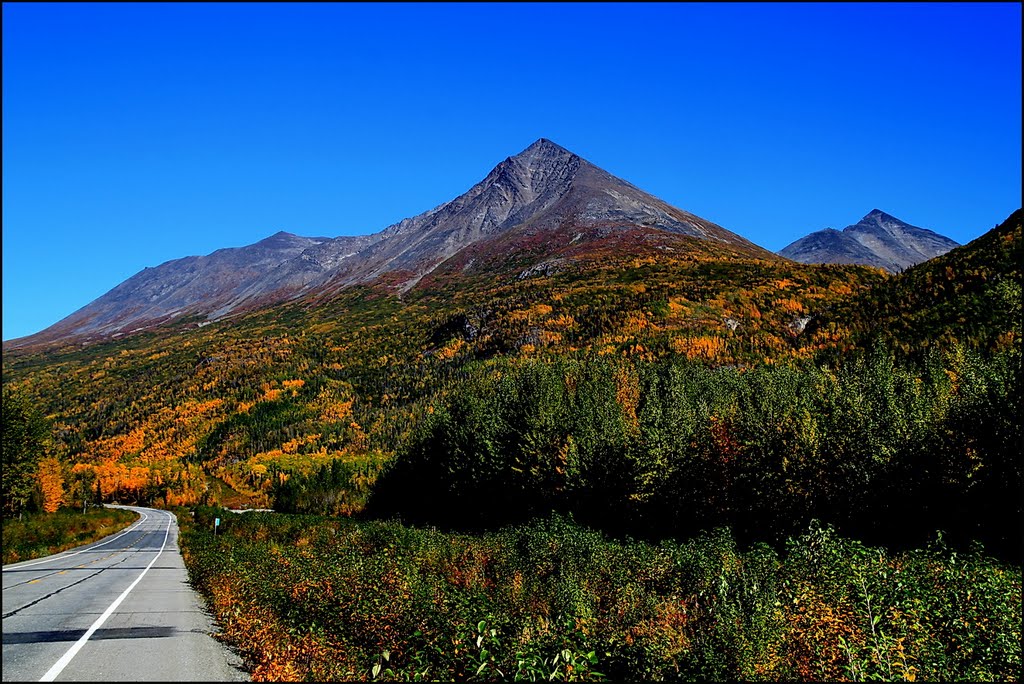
[(59, 666), (62, 556)]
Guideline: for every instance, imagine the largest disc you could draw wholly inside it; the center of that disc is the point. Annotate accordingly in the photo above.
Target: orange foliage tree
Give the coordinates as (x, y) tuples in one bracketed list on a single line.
[(51, 483)]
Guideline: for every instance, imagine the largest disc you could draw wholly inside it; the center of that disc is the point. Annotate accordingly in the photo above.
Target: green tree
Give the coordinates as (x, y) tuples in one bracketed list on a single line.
[(26, 436), (84, 483)]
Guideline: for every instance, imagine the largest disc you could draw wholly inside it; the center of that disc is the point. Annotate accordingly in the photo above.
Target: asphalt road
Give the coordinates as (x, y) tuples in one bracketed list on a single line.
[(117, 610)]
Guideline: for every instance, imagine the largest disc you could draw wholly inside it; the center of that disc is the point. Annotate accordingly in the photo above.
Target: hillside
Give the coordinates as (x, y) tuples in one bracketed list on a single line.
[(172, 415), (547, 263), (308, 381), (350, 373)]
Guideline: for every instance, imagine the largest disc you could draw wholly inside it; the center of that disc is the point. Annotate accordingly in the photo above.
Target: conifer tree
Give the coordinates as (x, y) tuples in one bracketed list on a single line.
[(26, 437)]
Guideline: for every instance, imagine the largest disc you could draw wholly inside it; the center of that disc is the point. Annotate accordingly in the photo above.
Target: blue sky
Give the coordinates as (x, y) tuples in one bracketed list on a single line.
[(138, 133)]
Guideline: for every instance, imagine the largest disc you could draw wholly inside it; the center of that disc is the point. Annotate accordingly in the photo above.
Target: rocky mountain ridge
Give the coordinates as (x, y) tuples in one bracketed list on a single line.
[(543, 189)]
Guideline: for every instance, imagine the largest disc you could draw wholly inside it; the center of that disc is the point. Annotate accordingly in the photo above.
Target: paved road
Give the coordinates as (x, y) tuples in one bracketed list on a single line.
[(113, 611)]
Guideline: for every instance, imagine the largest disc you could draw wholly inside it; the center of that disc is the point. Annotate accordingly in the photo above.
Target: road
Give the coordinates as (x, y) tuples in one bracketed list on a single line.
[(117, 610)]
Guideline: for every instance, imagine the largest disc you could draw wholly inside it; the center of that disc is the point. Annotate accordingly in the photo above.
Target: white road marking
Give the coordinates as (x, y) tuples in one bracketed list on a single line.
[(62, 556), (59, 666)]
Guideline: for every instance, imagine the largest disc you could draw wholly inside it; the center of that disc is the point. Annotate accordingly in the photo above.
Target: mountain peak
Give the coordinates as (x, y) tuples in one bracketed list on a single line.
[(280, 239), (536, 177), (543, 152), (547, 146), (545, 143), (877, 216)]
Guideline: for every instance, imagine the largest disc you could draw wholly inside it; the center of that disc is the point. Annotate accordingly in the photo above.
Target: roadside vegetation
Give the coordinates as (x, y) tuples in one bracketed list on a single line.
[(317, 599), (605, 519), (42, 534)]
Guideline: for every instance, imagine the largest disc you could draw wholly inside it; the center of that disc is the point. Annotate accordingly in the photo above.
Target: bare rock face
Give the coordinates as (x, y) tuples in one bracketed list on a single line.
[(878, 240), (514, 191), (544, 188)]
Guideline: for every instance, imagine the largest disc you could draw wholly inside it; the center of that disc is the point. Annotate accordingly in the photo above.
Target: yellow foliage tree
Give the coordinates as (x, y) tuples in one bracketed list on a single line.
[(708, 348), (627, 394)]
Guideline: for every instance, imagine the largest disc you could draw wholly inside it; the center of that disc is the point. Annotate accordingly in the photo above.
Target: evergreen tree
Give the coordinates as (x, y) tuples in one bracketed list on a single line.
[(25, 439)]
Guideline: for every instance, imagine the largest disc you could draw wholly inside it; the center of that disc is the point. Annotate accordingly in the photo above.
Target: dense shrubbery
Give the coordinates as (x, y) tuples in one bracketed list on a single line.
[(327, 599), (42, 534), (888, 452)]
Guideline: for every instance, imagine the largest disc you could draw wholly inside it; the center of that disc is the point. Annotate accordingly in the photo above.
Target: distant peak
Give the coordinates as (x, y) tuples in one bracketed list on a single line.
[(544, 143)]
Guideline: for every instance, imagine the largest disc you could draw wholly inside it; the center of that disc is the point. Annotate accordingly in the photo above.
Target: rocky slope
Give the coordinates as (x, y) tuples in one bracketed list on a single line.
[(878, 240), (208, 286)]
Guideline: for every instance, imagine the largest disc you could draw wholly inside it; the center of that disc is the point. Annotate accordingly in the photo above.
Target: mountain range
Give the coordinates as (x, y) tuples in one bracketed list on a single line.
[(543, 209)]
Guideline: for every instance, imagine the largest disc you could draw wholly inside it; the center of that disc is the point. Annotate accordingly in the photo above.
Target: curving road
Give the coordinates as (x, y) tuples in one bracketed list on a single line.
[(116, 610)]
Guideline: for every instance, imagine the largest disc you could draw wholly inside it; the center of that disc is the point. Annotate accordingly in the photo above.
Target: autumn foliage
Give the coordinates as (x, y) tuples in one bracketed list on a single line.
[(51, 484)]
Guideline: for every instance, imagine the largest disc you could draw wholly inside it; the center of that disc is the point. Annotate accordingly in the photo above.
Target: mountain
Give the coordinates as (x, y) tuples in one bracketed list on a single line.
[(545, 188), (542, 201), (878, 240), (551, 277)]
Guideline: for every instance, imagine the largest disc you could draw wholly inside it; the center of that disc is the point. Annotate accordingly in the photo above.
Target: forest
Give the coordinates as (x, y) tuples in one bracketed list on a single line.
[(669, 449)]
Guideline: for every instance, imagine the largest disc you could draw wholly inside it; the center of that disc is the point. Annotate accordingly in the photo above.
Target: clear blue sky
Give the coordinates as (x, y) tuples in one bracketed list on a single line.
[(136, 134)]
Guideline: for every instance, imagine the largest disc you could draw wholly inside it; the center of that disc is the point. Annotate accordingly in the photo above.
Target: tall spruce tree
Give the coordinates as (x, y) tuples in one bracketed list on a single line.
[(25, 439)]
